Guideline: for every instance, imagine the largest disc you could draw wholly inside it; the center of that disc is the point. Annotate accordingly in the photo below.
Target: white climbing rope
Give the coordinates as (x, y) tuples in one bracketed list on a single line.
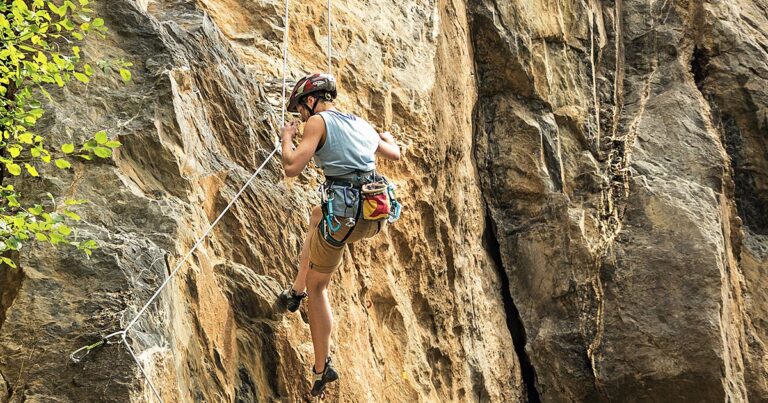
[(285, 62), (330, 66), (80, 353)]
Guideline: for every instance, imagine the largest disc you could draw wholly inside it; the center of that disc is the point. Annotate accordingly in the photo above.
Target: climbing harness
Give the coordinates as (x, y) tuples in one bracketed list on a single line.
[(357, 195), (79, 354)]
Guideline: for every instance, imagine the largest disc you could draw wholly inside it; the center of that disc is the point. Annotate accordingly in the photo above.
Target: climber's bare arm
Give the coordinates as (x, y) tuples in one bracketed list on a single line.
[(388, 148), (294, 160)]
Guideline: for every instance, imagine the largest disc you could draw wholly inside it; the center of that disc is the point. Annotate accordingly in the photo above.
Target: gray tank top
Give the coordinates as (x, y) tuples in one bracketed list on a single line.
[(350, 144)]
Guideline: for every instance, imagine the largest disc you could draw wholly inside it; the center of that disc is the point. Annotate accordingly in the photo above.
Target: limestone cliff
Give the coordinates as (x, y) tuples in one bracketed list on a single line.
[(585, 186)]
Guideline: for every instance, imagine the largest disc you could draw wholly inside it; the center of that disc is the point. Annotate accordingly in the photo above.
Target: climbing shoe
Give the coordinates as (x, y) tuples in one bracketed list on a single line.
[(292, 299), (329, 374)]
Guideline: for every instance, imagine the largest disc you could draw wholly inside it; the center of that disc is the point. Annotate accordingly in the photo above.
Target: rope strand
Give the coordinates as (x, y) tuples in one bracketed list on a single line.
[(330, 65), (285, 61)]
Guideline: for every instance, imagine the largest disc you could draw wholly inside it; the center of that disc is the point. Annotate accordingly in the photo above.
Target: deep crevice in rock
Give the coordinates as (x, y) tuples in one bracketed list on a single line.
[(748, 203), (699, 66), (10, 283), (514, 322)]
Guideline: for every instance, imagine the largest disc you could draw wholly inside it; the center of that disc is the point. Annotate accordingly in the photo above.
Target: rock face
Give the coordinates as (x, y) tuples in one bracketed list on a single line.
[(585, 187), (629, 140)]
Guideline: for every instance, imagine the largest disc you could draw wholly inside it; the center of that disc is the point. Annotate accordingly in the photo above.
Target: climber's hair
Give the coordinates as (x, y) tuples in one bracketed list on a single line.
[(324, 96)]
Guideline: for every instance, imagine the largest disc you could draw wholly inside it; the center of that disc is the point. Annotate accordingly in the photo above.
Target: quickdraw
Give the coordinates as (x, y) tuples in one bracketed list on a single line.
[(329, 216), (81, 352), (395, 206)]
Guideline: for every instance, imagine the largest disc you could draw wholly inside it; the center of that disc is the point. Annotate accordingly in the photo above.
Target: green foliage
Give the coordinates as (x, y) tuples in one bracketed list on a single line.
[(38, 49)]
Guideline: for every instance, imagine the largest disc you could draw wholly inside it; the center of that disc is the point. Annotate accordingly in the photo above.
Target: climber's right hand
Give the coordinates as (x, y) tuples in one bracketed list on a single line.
[(289, 130)]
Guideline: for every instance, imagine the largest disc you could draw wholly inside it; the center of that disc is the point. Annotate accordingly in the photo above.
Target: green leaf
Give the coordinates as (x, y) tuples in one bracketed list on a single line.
[(20, 5), (73, 202), (47, 95), (82, 77), (31, 169), (62, 164), (125, 74), (60, 11), (113, 144), (90, 244), (101, 137), (40, 236), (71, 215), (13, 243), (85, 157), (57, 238), (12, 202), (102, 152), (26, 138), (67, 24), (55, 218), (64, 230), (14, 150), (41, 58), (88, 69), (37, 210), (8, 261), (13, 169), (68, 148)]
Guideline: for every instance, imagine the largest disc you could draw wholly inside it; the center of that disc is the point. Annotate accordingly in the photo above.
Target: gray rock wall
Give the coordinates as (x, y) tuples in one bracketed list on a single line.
[(621, 147)]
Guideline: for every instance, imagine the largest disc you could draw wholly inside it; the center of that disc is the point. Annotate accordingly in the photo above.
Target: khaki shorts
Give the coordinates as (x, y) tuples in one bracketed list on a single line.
[(326, 258)]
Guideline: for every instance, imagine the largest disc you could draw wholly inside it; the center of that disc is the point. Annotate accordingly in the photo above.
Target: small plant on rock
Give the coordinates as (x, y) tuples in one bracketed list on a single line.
[(38, 49)]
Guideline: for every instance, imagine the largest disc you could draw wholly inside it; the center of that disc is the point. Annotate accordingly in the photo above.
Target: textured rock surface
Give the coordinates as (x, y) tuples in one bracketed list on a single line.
[(630, 137), (417, 311), (586, 186)]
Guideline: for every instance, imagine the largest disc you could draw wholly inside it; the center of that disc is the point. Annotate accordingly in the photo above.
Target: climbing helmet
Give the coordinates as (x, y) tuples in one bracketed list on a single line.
[(310, 84)]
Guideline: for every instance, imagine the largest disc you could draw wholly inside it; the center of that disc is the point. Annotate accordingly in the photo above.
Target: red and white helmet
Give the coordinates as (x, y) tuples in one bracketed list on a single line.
[(311, 84)]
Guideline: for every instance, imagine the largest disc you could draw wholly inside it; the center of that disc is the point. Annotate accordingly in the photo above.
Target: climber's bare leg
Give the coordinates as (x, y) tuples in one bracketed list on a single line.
[(300, 283), (320, 316)]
